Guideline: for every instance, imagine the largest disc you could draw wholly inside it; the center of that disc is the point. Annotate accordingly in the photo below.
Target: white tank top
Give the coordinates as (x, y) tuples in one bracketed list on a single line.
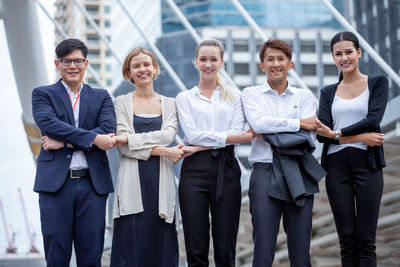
[(346, 112)]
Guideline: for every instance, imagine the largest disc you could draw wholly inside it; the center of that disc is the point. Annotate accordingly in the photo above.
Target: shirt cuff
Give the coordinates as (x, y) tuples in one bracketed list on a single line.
[(133, 142), (220, 140), (294, 124)]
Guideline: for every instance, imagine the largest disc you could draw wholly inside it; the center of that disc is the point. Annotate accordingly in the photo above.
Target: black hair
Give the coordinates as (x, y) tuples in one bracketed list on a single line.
[(277, 44), (69, 45), (345, 36)]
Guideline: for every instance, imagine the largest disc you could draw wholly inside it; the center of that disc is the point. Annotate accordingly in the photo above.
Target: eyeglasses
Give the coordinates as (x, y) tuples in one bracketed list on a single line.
[(78, 62)]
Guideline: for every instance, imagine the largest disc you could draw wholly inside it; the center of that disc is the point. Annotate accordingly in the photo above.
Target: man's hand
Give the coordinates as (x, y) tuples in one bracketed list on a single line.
[(51, 144), (121, 139), (105, 141), (309, 123)]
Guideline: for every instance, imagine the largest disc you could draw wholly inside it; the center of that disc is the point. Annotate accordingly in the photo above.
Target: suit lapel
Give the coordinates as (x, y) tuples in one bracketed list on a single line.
[(66, 101), (84, 104)]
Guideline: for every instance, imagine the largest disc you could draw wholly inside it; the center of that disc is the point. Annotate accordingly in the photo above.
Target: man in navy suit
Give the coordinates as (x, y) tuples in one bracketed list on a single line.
[(73, 176)]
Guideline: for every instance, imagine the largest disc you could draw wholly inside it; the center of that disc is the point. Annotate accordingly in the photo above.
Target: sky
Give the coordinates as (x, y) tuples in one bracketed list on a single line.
[(17, 167)]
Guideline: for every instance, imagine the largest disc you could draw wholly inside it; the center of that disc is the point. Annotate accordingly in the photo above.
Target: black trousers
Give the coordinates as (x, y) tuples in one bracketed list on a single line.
[(266, 214), (354, 192), (197, 196)]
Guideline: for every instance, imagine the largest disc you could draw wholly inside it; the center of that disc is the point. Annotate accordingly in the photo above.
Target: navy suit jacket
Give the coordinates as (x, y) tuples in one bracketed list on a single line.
[(52, 111)]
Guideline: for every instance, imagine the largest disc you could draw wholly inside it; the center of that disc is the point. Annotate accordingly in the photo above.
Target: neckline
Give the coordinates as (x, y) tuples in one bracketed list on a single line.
[(362, 93), (142, 115)]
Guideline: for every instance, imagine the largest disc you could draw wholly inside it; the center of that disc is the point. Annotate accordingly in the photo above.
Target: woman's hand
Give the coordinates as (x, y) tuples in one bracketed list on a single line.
[(244, 137), (372, 139), (259, 136), (174, 153), (190, 150), (324, 130), (121, 139)]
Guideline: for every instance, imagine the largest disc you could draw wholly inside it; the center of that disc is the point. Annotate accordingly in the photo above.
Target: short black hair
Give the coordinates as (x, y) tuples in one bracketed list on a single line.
[(69, 45), (277, 44)]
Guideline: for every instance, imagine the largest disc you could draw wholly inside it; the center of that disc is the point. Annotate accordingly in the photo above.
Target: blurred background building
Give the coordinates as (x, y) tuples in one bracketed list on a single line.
[(378, 22), (75, 23), (306, 25)]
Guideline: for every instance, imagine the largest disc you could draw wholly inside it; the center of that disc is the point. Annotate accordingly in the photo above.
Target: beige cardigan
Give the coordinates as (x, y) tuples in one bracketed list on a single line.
[(127, 196)]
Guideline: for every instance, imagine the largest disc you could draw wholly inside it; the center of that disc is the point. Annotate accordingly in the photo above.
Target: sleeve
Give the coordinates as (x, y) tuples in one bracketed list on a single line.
[(106, 120), (325, 115), (124, 129), (309, 109), (376, 110), (238, 119), (194, 135), (260, 122), (46, 118), (163, 137), (309, 105)]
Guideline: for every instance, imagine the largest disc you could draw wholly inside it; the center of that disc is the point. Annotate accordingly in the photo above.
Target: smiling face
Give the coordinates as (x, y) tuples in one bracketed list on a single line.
[(346, 56), (275, 65), (72, 75), (142, 70), (208, 61)]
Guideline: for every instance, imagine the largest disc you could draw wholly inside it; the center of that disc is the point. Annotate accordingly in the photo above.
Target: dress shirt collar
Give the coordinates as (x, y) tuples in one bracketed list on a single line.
[(69, 89), (267, 88), (197, 91)]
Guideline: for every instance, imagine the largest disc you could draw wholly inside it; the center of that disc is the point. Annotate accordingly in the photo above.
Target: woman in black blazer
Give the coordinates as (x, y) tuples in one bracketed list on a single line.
[(350, 112)]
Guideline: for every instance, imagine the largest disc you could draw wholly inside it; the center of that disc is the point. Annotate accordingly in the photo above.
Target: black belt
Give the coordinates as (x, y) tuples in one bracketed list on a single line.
[(82, 173), (226, 155)]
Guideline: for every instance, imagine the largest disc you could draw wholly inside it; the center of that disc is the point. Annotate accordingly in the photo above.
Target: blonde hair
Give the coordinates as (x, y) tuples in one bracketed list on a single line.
[(133, 53), (226, 92)]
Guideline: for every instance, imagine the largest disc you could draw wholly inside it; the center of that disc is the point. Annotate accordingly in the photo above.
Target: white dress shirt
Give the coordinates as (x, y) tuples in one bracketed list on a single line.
[(208, 122), (268, 112), (78, 160)]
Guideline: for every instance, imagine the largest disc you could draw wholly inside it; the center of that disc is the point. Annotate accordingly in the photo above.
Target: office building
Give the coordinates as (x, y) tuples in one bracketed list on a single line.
[(75, 24)]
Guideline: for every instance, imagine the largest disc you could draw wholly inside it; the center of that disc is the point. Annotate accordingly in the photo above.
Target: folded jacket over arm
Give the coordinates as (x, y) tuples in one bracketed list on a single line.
[(296, 172)]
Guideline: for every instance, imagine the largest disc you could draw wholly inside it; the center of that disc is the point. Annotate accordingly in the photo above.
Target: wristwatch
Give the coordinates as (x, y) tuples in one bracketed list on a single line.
[(337, 136)]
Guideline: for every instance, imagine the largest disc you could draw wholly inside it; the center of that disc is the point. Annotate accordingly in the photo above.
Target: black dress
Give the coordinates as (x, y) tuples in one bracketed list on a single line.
[(145, 239)]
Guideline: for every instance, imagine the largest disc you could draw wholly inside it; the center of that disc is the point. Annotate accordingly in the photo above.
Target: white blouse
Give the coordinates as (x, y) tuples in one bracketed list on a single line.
[(346, 112), (208, 122)]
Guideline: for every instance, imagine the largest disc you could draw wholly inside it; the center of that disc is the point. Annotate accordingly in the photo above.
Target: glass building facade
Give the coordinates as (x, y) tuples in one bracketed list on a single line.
[(266, 13), (379, 23)]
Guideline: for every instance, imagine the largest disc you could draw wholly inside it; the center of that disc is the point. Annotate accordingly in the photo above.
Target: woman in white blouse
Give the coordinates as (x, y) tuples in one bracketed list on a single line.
[(212, 119), (144, 198)]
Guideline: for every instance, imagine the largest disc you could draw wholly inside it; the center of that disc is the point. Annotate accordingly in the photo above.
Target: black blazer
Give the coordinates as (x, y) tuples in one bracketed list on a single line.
[(378, 97)]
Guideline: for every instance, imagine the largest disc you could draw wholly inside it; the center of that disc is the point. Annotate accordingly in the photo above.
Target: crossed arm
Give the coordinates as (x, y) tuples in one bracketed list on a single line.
[(57, 132)]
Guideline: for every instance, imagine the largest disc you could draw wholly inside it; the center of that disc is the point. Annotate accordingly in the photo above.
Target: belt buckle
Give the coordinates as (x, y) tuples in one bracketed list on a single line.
[(71, 175)]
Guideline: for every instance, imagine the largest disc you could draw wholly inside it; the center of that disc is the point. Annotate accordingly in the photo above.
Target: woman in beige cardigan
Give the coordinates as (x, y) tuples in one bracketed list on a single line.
[(144, 199)]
